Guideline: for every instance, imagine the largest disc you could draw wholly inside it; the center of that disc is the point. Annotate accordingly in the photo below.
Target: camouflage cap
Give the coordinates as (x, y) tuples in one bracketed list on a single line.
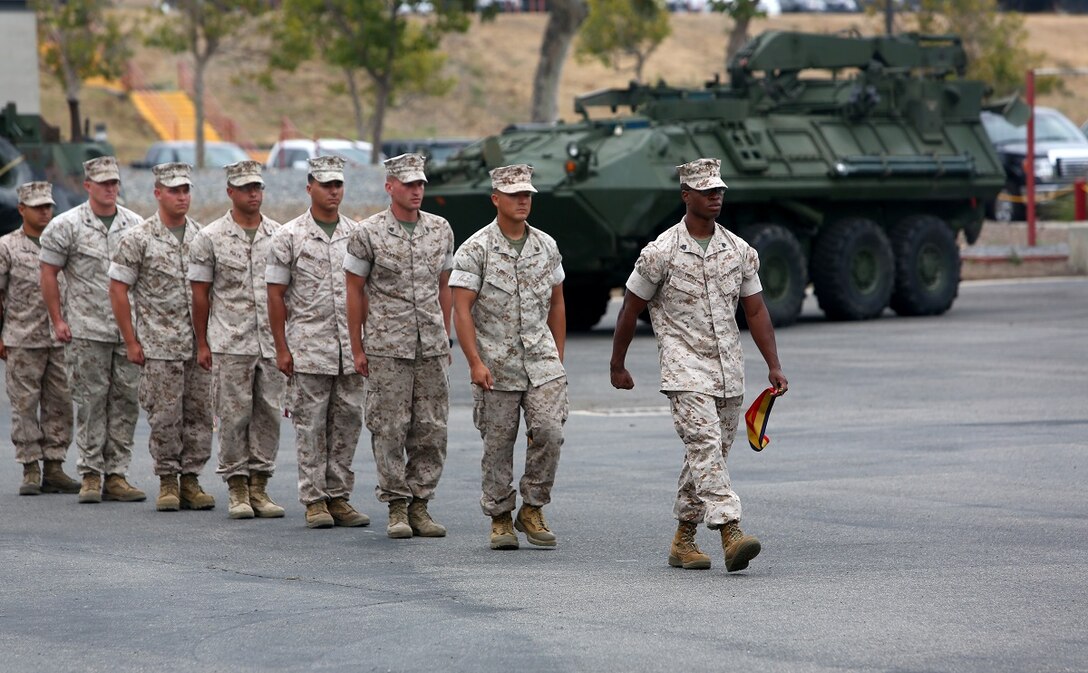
[(173, 174), (702, 174), (406, 167), (36, 194), (513, 179), (327, 169), (244, 173), (101, 169)]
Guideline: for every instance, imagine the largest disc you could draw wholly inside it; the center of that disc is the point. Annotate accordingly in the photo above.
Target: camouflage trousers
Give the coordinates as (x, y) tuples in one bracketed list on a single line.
[(327, 411), (707, 425), (407, 410), (496, 414), (247, 395), (104, 388), (41, 406), (176, 394)]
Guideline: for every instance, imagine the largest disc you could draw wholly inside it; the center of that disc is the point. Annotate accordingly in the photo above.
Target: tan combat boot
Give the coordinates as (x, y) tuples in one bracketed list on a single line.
[(739, 548), (32, 479), (502, 532), (421, 522), (531, 522), (238, 492), (54, 480), (117, 488), (317, 515), (398, 527), (685, 553), (258, 497), (169, 499), (192, 495), (343, 514), (91, 490)]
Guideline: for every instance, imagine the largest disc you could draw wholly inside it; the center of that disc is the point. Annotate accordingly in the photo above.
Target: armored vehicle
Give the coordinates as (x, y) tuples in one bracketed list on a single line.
[(30, 149), (851, 161)]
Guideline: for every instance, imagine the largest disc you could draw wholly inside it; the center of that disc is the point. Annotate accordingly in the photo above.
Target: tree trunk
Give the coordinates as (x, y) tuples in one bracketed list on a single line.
[(381, 99), (72, 85), (198, 105), (356, 103), (738, 37), (564, 19)]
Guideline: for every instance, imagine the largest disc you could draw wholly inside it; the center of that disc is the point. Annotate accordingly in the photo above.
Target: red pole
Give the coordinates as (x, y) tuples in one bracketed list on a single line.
[(1029, 161), (1080, 200)]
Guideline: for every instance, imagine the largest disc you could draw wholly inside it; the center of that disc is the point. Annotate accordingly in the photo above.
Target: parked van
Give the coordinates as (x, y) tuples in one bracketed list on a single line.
[(295, 152)]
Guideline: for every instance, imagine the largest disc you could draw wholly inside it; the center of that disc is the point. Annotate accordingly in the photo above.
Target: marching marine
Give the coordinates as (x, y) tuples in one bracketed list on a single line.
[(227, 262), (151, 265), (307, 311), (507, 285), (399, 261), (103, 383), (37, 384)]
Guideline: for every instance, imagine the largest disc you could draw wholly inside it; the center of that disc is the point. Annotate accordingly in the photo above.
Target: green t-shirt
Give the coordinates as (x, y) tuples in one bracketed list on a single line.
[(703, 242), (518, 244), (35, 240), (108, 220), (178, 232), (410, 227), (250, 233), (327, 227)]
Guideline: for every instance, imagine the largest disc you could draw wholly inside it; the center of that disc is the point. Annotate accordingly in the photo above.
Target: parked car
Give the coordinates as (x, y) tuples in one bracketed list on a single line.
[(295, 152), (216, 154), (437, 150), (1061, 156)]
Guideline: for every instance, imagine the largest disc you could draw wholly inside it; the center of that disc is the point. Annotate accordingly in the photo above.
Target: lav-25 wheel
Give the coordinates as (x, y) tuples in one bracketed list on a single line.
[(927, 266), (853, 269), (782, 272)]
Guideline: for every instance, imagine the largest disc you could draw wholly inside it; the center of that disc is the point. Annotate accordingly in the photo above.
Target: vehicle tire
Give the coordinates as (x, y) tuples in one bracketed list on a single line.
[(853, 269), (782, 272), (927, 266), (586, 303)]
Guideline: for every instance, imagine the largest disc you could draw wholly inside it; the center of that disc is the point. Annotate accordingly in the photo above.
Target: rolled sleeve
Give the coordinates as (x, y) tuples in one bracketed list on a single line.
[(201, 273), (53, 257), (466, 279), (750, 286), (640, 287), (277, 274), (359, 267), (122, 273), (558, 275)]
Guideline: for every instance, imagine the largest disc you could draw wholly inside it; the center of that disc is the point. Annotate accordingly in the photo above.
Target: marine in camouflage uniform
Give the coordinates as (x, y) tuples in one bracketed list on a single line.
[(41, 406), (227, 261), (692, 278), (152, 265), (307, 310), (398, 263), (103, 383), (507, 285)]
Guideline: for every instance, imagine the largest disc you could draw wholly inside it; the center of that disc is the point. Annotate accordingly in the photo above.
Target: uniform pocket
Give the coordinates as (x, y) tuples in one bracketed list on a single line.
[(686, 285), (477, 406), (313, 266)]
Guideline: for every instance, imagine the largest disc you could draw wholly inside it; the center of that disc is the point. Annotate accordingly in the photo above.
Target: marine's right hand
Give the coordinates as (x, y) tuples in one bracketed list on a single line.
[(3, 351), (622, 379), (285, 363), (204, 357), (135, 353), (62, 332), (481, 376), (362, 366)]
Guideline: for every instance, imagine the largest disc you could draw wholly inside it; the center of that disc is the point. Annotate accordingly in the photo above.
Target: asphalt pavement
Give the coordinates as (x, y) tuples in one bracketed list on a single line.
[(921, 506)]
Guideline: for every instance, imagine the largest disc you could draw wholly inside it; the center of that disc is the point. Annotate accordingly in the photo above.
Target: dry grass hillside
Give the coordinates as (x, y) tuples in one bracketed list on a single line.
[(493, 65)]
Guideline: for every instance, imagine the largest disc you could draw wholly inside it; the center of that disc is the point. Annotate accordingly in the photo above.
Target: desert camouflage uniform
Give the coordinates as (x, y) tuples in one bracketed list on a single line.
[(174, 391), (247, 388), (407, 397), (103, 382), (36, 374), (511, 319), (325, 395), (693, 300)]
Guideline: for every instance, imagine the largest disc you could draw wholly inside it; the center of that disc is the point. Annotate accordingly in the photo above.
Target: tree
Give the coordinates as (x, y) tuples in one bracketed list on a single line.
[(373, 37), (619, 29), (741, 12), (995, 41), (564, 19), (80, 42), (203, 29)]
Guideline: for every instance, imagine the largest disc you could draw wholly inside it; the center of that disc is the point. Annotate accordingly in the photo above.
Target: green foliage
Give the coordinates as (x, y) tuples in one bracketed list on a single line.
[(201, 27), (995, 41), (80, 41), (738, 10), (620, 29)]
